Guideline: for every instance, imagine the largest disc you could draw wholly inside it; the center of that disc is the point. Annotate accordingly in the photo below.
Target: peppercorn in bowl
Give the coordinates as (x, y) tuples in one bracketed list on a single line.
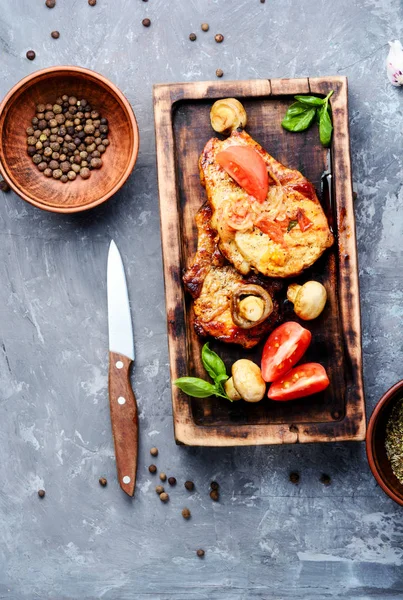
[(384, 442), (69, 139)]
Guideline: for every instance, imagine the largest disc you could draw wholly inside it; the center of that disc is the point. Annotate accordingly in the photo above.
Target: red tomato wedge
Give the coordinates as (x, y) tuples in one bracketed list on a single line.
[(272, 229), (248, 169), (303, 221), (301, 381), (285, 346)]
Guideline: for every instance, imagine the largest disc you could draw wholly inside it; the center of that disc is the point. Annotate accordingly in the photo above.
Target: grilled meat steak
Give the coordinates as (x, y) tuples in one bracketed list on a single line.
[(280, 237), (211, 281)]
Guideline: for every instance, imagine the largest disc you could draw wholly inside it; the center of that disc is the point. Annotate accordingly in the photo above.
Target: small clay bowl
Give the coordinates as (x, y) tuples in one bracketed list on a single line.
[(375, 444), (16, 112)]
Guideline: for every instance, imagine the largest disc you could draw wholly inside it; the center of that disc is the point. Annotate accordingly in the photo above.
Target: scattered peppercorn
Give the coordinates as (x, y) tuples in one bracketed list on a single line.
[(262, 1), (146, 22), (219, 38), (4, 187), (154, 451), (186, 514), (152, 469), (103, 481), (164, 497), (163, 477), (325, 479), (294, 477), (200, 553), (50, 3), (214, 485), (205, 26), (41, 493), (189, 485), (30, 55), (160, 489), (92, 2), (55, 35), (219, 72), (214, 495), (172, 480), (193, 37)]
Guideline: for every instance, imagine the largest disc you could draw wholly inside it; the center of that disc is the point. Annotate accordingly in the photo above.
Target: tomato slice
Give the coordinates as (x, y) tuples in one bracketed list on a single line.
[(285, 346), (305, 188), (301, 381), (272, 229), (303, 221), (248, 169)]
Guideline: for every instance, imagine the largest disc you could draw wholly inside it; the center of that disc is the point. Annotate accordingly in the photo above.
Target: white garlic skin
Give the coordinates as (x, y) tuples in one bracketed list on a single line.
[(394, 63)]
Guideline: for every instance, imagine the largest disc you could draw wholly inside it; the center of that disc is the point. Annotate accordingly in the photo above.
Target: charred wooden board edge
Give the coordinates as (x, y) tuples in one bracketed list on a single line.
[(352, 427)]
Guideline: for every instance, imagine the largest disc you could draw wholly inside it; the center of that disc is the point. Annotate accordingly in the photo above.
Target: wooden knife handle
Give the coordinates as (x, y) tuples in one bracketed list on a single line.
[(124, 420)]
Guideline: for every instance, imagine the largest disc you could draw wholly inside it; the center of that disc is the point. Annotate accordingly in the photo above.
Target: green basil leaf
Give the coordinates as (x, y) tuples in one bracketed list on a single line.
[(220, 378), (297, 119), (310, 100), (296, 109), (193, 386), (213, 364), (325, 126), (291, 225)]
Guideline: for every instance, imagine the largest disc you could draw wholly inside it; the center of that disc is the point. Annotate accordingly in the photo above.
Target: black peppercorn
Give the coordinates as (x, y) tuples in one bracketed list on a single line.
[(214, 495), (294, 477), (214, 485), (325, 479), (189, 485), (186, 514), (172, 480), (96, 163), (152, 469), (30, 55), (4, 187), (200, 553), (219, 38), (55, 35), (103, 481), (219, 72), (41, 493), (85, 173), (193, 37), (146, 22)]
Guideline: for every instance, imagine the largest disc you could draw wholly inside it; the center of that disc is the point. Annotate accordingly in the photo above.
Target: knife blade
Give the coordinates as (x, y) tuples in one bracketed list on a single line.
[(327, 190), (122, 401)]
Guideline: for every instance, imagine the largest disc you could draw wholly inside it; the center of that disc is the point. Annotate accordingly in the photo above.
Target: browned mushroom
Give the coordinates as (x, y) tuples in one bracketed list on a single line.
[(250, 305)]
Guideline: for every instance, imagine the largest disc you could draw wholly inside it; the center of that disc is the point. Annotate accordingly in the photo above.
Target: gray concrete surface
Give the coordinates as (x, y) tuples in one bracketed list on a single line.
[(266, 539)]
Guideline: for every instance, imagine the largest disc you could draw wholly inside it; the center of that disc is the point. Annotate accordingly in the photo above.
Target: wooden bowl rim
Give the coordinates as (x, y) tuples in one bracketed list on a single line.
[(131, 116), (369, 442)]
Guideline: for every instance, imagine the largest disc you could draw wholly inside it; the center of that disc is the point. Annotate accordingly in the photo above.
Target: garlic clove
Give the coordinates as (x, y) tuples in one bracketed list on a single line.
[(394, 63)]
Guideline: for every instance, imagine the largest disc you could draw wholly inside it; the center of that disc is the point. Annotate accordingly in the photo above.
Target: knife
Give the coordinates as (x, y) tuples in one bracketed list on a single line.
[(327, 189), (122, 400)]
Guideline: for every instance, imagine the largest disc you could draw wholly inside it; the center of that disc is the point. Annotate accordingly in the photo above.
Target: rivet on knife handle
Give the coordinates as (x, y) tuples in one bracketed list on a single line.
[(124, 420)]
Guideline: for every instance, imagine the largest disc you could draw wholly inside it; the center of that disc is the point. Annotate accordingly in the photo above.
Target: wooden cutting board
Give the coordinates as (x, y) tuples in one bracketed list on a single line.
[(182, 124)]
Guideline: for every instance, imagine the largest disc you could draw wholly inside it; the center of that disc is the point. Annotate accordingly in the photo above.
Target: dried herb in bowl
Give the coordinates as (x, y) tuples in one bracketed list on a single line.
[(394, 440)]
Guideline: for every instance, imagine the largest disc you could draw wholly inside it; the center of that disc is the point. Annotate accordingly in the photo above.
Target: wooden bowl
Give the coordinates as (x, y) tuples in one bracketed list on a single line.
[(16, 112), (375, 444)]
